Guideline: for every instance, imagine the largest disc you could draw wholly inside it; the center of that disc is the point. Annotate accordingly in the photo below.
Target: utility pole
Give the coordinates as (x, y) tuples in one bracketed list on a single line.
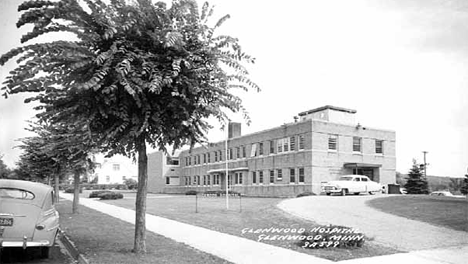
[(425, 164)]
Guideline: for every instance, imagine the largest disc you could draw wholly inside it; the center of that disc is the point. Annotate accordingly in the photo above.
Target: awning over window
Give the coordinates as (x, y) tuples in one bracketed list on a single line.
[(362, 165), (229, 170)]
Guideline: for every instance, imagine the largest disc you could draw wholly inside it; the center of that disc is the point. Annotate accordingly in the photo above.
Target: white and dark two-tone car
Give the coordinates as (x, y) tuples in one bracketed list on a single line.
[(28, 217), (355, 184)]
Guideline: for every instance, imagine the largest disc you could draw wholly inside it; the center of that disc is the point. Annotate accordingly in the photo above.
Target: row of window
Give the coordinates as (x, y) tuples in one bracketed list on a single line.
[(296, 175), (357, 144), (286, 144)]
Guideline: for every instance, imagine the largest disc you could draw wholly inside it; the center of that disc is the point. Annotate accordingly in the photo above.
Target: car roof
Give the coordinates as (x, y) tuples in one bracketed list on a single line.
[(353, 175), (38, 189)]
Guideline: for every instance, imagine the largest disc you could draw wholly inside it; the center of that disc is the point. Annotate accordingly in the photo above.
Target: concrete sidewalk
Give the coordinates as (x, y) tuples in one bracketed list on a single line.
[(240, 250)]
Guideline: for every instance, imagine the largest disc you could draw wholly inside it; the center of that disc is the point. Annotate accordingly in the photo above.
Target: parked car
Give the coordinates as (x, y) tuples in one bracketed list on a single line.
[(28, 217), (355, 184), (441, 193)]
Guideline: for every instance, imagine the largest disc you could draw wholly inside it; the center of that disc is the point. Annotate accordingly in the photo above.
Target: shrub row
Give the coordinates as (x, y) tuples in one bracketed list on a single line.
[(213, 193), (305, 194), (105, 195)]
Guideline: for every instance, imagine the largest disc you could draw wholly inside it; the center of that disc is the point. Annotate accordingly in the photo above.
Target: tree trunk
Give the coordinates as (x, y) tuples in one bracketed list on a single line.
[(140, 212), (76, 193), (56, 187)]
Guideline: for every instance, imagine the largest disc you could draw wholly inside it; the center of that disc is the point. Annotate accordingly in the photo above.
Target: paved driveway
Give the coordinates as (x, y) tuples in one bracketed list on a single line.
[(351, 211)]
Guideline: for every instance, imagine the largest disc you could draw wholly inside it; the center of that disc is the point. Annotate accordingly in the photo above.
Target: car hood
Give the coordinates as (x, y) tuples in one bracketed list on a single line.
[(334, 183)]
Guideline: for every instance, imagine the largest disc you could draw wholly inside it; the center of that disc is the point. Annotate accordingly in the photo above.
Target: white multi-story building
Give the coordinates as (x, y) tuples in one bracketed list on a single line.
[(114, 170)]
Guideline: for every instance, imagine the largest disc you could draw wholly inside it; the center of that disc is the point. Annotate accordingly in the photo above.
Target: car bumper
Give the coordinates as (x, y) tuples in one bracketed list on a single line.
[(24, 244)]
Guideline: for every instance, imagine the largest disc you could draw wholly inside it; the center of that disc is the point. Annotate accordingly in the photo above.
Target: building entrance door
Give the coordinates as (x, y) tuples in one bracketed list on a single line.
[(369, 172)]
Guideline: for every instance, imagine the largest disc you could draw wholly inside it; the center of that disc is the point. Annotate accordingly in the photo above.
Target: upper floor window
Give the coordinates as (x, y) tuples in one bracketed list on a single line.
[(333, 142), (378, 146), (279, 175), (209, 157), (260, 148), (292, 175), (254, 177), (238, 152), (216, 156), (301, 142), (356, 144), (204, 158), (230, 154), (292, 143), (243, 152), (116, 167), (272, 176), (272, 146), (260, 177), (253, 151), (220, 155)]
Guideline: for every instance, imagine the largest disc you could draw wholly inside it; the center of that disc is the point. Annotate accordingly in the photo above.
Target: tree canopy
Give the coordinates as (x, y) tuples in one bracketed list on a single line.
[(138, 73), (416, 183)]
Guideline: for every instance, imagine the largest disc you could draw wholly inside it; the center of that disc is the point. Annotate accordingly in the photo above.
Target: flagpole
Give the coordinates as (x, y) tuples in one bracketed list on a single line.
[(227, 171)]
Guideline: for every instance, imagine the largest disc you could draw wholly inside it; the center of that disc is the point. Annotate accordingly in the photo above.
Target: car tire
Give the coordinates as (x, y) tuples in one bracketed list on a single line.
[(328, 194), (45, 252), (371, 193), (343, 192), (356, 193)]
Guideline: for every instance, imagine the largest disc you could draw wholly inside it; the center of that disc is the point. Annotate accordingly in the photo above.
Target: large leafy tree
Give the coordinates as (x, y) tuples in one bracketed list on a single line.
[(138, 74), (464, 187), (416, 183)]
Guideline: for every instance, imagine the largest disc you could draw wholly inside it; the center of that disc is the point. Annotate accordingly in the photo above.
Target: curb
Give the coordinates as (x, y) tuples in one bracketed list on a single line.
[(71, 248)]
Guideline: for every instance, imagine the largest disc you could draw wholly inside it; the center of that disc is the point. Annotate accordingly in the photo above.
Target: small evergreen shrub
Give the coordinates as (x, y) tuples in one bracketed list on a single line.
[(110, 196), (305, 194), (191, 192), (71, 190), (97, 194)]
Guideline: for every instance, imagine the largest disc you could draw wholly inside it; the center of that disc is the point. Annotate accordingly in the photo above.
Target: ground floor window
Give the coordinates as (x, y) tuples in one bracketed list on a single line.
[(208, 179), (292, 175), (260, 177), (254, 177), (272, 176), (301, 175), (216, 180), (168, 180), (279, 175), (238, 178)]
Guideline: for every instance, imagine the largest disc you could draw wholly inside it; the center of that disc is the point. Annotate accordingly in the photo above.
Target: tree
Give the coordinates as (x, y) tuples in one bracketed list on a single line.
[(464, 188), (4, 171), (416, 183), (138, 74), (56, 150)]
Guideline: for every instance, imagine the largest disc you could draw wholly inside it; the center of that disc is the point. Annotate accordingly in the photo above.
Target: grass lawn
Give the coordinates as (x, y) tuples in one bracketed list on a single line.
[(105, 239), (246, 213), (442, 211)]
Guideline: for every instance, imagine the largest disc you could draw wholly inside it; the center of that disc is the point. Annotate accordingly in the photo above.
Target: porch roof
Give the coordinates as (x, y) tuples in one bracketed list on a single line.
[(361, 165), (229, 170)]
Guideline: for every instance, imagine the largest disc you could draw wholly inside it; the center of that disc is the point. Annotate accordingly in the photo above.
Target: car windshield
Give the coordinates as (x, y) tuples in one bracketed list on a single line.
[(347, 178), (12, 193)]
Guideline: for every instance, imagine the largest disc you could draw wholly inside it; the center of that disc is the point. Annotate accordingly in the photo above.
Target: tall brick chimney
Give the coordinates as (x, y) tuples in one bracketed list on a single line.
[(234, 130)]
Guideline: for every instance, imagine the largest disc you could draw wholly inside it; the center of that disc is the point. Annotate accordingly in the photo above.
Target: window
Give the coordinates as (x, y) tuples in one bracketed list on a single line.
[(204, 179), (199, 161), (168, 180), (253, 151), (230, 153), (286, 144), (209, 157), (194, 180), (124, 178), (292, 143), (364, 179), (272, 146), (188, 180), (254, 177), (238, 178), (216, 156), (12, 193), (279, 144), (243, 152), (116, 167), (356, 144), (378, 146), (216, 179), (272, 176), (260, 148), (332, 142), (279, 174), (220, 155), (204, 158), (301, 175), (107, 178), (301, 142), (292, 175), (238, 152), (260, 177), (208, 179)]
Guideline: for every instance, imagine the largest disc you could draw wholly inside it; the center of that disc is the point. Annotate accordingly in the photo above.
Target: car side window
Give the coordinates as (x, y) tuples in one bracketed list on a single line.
[(357, 179), (363, 179), (12, 193)]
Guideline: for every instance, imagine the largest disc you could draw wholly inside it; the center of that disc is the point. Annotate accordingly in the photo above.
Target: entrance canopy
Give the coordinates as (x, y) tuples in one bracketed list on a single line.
[(362, 165), (229, 170)]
